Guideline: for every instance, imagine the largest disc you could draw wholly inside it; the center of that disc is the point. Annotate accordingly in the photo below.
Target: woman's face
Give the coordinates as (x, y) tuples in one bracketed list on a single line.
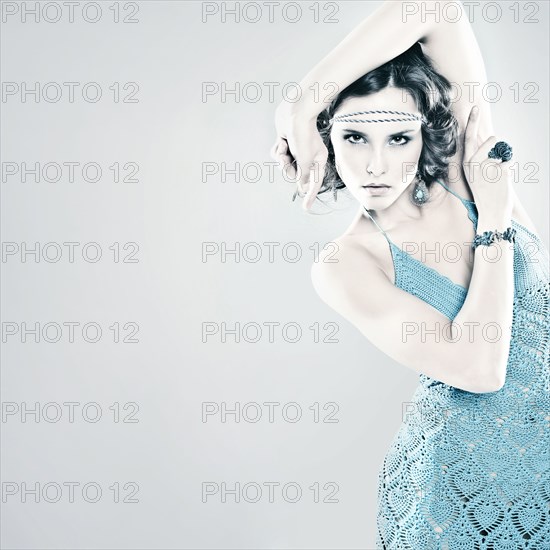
[(383, 153)]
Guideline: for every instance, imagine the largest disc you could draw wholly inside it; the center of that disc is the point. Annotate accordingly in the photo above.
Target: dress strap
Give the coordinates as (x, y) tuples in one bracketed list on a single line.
[(454, 193), (468, 204), (374, 221)]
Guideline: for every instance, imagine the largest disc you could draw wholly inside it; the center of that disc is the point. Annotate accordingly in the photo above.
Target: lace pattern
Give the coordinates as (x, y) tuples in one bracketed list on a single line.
[(471, 471)]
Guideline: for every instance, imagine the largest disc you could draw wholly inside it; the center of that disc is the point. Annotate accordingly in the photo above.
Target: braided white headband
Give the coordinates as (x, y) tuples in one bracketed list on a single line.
[(349, 117)]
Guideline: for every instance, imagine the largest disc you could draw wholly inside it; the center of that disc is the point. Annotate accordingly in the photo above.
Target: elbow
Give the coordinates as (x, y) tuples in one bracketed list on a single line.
[(490, 386), (485, 387), (491, 383), (499, 380), (481, 374)]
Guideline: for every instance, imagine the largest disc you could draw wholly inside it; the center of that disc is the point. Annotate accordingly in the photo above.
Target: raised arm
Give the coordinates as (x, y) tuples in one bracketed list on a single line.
[(389, 31), (405, 328)]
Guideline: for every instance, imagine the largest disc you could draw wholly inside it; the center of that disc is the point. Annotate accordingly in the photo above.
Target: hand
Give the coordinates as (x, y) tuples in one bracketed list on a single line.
[(300, 151), (489, 179)]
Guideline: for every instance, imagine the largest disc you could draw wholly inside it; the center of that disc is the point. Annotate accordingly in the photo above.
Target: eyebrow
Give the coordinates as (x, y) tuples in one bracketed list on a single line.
[(366, 135)]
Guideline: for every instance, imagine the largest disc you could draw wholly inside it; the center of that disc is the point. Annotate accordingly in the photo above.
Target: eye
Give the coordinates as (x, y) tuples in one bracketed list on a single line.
[(354, 138), (404, 139)]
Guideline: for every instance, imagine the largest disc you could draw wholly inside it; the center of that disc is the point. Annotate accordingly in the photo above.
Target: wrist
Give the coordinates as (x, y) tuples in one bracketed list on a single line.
[(308, 105), (302, 111), (491, 223), (494, 237)]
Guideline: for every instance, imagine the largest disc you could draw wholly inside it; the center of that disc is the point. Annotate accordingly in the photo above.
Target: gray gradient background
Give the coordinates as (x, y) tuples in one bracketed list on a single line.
[(170, 292)]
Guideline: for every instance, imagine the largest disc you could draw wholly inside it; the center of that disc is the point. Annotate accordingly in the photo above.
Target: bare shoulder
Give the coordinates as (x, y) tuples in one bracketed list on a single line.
[(344, 253), (343, 268)]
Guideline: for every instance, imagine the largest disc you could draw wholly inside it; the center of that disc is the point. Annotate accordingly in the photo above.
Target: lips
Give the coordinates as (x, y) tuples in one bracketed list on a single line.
[(376, 189)]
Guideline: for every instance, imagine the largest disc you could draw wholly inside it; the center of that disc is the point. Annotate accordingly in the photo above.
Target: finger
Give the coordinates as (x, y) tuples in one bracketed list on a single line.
[(297, 193), (273, 150), (492, 167), (482, 154), (471, 134), (276, 148), (284, 159), (480, 160), (316, 176), (303, 170), (287, 165)]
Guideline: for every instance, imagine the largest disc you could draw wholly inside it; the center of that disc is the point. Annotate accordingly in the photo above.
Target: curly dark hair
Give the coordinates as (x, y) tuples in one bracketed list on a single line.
[(411, 71)]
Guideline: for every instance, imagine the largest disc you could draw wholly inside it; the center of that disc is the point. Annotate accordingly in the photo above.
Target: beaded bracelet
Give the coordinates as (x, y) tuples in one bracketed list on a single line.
[(489, 237)]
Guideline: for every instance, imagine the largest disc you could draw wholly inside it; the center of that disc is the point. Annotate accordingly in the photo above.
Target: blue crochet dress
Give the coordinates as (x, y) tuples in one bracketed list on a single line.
[(469, 471)]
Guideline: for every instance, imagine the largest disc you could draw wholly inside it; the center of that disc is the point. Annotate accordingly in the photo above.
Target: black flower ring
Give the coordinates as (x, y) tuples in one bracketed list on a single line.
[(501, 150)]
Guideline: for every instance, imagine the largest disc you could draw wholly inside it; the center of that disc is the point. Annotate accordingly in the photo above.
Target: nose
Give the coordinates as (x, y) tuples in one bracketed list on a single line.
[(376, 164)]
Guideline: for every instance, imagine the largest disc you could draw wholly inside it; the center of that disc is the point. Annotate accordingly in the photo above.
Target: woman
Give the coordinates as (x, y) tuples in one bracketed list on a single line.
[(469, 467)]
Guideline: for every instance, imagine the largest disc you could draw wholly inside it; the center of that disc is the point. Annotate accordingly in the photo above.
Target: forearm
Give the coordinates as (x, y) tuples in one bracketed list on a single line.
[(488, 308), (385, 34)]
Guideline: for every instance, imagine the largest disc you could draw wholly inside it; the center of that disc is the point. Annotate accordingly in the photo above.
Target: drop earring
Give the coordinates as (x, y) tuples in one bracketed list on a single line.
[(420, 194)]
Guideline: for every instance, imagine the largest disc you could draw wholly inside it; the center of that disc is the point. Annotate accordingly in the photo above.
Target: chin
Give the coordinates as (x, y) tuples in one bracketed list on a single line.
[(377, 203)]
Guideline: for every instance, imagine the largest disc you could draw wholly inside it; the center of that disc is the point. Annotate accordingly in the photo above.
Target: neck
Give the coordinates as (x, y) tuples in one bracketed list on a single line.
[(403, 210)]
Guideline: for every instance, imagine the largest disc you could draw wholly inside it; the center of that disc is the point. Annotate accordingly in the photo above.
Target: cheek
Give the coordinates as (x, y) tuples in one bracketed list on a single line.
[(414, 149), (410, 153), (348, 160)]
